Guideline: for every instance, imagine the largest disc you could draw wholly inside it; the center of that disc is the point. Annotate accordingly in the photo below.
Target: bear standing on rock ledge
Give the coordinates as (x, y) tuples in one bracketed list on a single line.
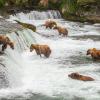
[(41, 49), (5, 41)]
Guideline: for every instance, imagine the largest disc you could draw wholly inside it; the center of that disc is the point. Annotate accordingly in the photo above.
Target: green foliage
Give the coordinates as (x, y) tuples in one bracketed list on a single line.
[(86, 1), (2, 3), (54, 5), (69, 6), (21, 2)]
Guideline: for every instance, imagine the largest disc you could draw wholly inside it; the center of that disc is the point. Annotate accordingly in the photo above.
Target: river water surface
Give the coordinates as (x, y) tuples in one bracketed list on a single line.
[(29, 77)]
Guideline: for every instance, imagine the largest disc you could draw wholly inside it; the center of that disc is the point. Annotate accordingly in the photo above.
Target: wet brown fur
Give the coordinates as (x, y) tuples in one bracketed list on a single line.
[(61, 30), (77, 76), (95, 54), (49, 24), (5, 41), (41, 49)]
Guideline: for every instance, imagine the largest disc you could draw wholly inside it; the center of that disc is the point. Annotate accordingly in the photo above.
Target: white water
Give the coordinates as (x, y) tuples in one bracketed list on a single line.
[(28, 73), (38, 15)]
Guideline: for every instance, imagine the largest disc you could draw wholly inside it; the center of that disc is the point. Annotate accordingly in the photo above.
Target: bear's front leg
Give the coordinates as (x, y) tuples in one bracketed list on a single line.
[(4, 46), (38, 53)]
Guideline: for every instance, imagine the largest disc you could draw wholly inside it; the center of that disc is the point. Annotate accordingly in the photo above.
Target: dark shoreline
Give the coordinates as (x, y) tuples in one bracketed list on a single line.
[(6, 11)]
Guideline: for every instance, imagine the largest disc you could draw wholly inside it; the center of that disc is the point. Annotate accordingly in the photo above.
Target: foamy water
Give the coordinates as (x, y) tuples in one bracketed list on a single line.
[(29, 74)]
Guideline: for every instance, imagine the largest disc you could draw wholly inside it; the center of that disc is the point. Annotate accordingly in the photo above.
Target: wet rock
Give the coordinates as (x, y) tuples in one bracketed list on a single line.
[(26, 25)]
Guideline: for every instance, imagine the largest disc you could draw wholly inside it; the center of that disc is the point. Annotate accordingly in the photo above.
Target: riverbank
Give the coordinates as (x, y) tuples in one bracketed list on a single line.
[(91, 16), (75, 10), (88, 11)]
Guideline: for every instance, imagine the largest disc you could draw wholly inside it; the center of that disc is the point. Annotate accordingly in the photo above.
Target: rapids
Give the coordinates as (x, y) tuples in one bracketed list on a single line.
[(27, 76)]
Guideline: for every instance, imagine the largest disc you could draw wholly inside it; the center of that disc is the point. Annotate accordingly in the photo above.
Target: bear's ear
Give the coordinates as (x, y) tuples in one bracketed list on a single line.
[(94, 49)]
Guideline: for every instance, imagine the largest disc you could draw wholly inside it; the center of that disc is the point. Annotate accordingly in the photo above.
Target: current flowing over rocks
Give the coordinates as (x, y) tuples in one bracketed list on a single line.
[(27, 76)]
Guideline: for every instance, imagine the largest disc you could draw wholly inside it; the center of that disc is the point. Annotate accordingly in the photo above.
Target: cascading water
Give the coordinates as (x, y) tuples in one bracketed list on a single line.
[(34, 78), (37, 15)]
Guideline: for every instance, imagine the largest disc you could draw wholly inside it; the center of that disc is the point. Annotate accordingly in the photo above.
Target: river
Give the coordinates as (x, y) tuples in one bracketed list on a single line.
[(29, 77)]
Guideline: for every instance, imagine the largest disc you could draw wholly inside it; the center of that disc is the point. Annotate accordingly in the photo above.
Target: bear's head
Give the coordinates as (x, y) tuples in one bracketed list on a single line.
[(54, 23), (11, 44), (74, 75), (7, 39), (33, 46), (90, 51)]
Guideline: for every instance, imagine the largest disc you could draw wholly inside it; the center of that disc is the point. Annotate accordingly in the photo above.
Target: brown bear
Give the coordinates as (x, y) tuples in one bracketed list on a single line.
[(77, 76), (94, 53), (61, 30), (5, 41), (50, 24), (41, 49)]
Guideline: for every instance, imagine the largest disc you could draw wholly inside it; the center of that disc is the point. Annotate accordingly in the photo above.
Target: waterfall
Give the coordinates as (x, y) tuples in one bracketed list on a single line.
[(38, 15), (22, 42)]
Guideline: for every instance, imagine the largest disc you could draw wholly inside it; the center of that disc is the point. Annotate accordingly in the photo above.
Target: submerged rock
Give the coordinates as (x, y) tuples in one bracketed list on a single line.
[(26, 25)]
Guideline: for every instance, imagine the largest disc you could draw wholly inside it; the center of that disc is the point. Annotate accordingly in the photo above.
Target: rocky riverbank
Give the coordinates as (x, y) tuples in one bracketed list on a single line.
[(87, 11)]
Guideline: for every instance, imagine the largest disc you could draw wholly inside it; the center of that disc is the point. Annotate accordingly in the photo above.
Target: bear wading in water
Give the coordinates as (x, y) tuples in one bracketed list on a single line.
[(62, 31), (41, 49), (95, 54), (49, 24), (77, 76), (5, 41)]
